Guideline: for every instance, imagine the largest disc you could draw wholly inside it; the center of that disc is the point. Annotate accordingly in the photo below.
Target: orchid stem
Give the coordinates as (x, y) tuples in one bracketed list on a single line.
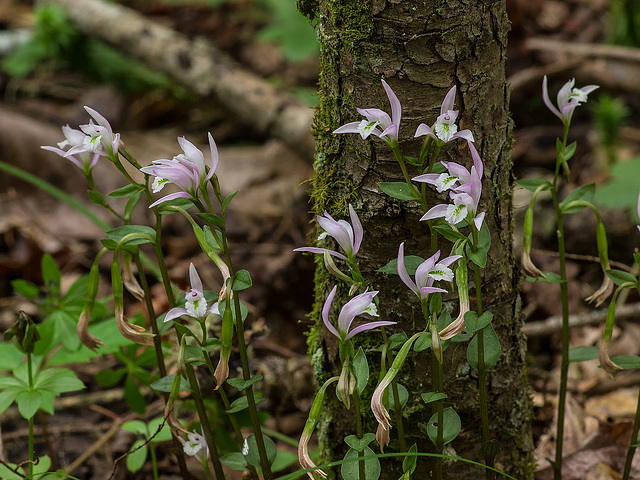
[(396, 399), (564, 292), (31, 418), (634, 441), (358, 408)]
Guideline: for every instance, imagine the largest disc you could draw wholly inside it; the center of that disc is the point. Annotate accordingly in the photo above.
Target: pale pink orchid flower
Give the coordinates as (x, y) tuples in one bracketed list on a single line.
[(445, 126), (568, 99), (85, 159), (187, 170), (358, 305), (427, 273), (348, 235), (378, 122), (196, 304), (466, 197)]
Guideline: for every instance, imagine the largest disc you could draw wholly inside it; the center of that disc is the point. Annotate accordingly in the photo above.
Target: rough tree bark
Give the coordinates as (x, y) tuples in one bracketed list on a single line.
[(421, 48)]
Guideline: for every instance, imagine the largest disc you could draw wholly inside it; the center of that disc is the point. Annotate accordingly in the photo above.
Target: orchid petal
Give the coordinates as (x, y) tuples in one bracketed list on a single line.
[(325, 312), (175, 313), (320, 251), (547, 100), (171, 196), (358, 231), (194, 278), (351, 127), (424, 129), (449, 100), (352, 308), (368, 326), (396, 108), (402, 271), (437, 211)]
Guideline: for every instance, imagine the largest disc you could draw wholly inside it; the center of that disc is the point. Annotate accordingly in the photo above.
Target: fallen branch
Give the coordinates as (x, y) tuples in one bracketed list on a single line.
[(198, 66), (554, 324)]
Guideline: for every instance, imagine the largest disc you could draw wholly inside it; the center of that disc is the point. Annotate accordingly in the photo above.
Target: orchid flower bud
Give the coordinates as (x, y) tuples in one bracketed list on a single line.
[(605, 289), (462, 284), (346, 384), (377, 406), (226, 337), (87, 339), (527, 264), (132, 332), (129, 279), (314, 415)]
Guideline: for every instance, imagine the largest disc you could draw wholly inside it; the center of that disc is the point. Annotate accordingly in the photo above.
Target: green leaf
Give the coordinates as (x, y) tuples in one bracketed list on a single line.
[(26, 289), (620, 277), (569, 151), (492, 349), (28, 403), (7, 397), (423, 342), (448, 232), (117, 234), (97, 198), (10, 356), (411, 263), (241, 384), (109, 378), (533, 184), (164, 435), (451, 426), (474, 323), (210, 238), (361, 369), (166, 383), (241, 403), (251, 453), (627, 362), (242, 280), (50, 274), (551, 278), (399, 190), (183, 203), (479, 256), (133, 397), (359, 444), (227, 200), (583, 193), (136, 459), (127, 191), (350, 469), (131, 205), (283, 460), (211, 218), (410, 461), (403, 396), (59, 380), (135, 426), (583, 353), (397, 339), (433, 397), (234, 461)]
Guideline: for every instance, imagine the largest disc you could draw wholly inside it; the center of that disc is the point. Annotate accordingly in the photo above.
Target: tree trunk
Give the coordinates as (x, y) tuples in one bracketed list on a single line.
[(421, 48)]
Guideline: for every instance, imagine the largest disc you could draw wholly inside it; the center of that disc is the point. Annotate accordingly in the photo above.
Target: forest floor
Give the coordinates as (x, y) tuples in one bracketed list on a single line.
[(270, 217)]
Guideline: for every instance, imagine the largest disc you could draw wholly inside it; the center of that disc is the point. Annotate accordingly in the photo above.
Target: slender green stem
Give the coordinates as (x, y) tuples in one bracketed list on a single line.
[(232, 418), (31, 419), (564, 293), (436, 375), (204, 421), (154, 460), (242, 348), (407, 178), (634, 440), (397, 410), (359, 433)]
